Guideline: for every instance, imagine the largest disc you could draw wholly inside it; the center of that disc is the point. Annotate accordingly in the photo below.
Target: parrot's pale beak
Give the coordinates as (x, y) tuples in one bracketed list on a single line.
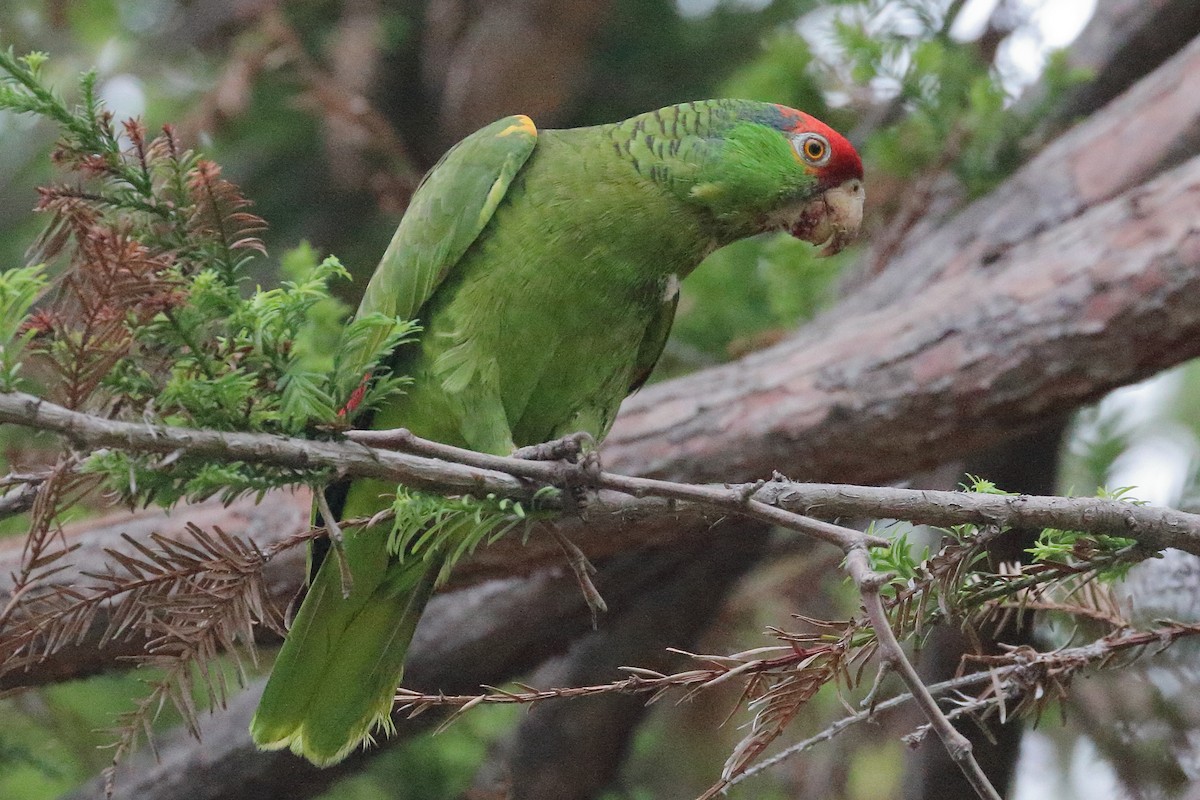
[(832, 219)]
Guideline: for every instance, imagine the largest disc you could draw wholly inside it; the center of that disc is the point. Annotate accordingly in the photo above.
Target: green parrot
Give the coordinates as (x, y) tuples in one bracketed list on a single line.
[(544, 268)]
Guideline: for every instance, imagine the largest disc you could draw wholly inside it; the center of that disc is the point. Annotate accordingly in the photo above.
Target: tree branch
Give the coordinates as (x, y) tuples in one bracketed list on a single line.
[(632, 513), (1024, 674), (1010, 676), (778, 502), (1074, 174), (1003, 338)]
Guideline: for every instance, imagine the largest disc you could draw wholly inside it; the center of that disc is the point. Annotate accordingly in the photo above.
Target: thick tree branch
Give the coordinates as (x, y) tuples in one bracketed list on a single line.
[(779, 501), (1078, 171), (1058, 286)]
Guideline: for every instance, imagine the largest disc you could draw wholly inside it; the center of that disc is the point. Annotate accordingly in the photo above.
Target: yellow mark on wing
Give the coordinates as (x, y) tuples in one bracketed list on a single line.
[(523, 125)]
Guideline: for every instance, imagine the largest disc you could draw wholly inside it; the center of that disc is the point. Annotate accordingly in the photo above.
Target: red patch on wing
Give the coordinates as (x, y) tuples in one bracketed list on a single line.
[(844, 161)]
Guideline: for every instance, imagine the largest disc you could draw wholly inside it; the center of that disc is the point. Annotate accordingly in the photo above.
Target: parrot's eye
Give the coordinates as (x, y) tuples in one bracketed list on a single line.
[(813, 148)]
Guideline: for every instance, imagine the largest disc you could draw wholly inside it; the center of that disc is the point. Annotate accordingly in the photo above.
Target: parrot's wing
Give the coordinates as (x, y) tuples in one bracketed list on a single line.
[(655, 338), (450, 208)]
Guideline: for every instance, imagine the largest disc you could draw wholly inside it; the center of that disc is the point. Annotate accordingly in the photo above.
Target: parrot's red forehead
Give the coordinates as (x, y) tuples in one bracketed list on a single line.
[(844, 162)]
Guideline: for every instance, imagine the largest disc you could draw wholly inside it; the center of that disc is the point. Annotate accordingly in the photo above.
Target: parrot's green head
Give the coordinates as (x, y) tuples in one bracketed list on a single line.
[(768, 167)]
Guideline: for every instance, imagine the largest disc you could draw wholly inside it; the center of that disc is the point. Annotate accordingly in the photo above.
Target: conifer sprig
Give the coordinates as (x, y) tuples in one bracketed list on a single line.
[(147, 316)]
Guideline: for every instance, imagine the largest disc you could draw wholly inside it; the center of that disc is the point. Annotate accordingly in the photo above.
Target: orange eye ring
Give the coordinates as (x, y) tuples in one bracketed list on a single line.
[(813, 149)]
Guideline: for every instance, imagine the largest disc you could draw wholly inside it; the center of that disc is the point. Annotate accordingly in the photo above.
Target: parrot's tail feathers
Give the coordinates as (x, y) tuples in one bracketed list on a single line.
[(317, 748), (334, 681), (302, 745), (360, 737)]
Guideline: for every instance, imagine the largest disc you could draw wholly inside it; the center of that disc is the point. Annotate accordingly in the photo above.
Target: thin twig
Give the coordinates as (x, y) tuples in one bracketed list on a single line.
[(726, 498), (440, 468), (336, 540), (1017, 672), (583, 570), (641, 681), (958, 746)]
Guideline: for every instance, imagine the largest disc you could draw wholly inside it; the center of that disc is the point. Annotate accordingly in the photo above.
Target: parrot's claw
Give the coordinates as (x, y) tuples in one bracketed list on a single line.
[(578, 479)]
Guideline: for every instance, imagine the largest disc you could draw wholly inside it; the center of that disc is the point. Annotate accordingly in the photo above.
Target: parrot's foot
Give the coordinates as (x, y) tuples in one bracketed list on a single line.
[(577, 453), (569, 448)]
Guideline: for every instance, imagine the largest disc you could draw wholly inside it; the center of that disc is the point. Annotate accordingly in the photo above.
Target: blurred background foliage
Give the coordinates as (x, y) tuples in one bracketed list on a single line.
[(326, 113)]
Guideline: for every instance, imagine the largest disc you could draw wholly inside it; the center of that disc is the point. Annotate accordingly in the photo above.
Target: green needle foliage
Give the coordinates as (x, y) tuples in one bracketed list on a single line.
[(959, 114), (422, 521), (151, 316), (958, 584), (1111, 555)]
